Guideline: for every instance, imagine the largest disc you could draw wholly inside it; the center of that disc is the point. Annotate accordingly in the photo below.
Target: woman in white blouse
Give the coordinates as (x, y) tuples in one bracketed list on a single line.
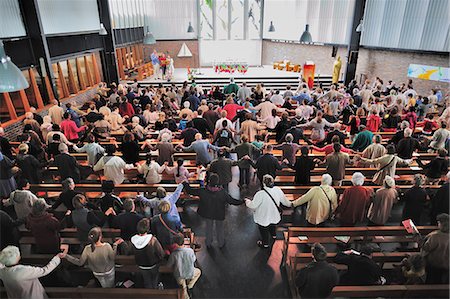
[(266, 206)]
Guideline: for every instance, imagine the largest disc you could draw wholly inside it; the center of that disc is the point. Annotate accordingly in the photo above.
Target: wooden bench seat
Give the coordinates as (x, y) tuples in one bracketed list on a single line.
[(376, 234), (109, 293), (138, 188), (391, 291)]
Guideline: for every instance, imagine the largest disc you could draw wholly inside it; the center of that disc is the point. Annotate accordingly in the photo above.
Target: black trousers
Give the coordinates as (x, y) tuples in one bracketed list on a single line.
[(267, 233), (244, 176)]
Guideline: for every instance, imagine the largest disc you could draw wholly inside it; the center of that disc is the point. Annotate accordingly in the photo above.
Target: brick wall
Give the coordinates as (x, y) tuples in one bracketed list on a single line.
[(173, 47), (393, 65), (15, 129), (386, 64)]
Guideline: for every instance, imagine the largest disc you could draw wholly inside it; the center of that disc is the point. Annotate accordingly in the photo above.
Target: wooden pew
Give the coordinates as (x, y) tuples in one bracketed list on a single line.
[(109, 293), (137, 188), (69, 236), (376, 234), (392, 291)]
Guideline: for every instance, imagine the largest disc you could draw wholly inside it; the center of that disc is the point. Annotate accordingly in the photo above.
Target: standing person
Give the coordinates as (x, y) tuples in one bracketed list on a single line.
[(322, 202), (181, 174), (182, 259), (375, 150), (266, 164), (84, 219), (68, 166), (303, 166), (151, 170), (250, 128), (382, 203), (318, 278), (5, 146), (440, 202), (437, 167), (148, 254), (242, 150), (7, 181), (156, 64), (67, 194), (407, 145), (243, 93), (165, 226), (99, 257), (92, 148), (212, 206), (201, 148), (56, 113), (31, 168), (129, 148), (44, 227), (112, 166), (22, 281), (355, 201), (22, 199), (362, 140), (289, 149), (440, 137), (127, 223), (317, 126), (222, 167), (335, 163), (387, 165), (415, 199), (435, 249), (70, 129), (266, 206)]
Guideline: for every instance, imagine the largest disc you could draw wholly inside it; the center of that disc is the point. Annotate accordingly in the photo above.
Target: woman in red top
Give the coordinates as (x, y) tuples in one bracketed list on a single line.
[(373, 122), (428, 124), (328, 149), (70, 129), (411, 117), (126, 109), (231, 108)]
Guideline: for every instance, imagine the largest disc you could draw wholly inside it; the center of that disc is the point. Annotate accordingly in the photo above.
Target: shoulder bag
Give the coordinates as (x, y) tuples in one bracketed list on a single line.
[(280, 210)]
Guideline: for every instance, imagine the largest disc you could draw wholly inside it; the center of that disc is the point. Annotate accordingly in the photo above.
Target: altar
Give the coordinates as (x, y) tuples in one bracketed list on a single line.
[(230, 66)]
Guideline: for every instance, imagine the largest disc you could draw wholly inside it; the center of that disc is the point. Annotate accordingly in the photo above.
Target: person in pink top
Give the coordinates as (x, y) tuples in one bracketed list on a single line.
[(180, 173), (328, 149), (70, 129), (231, 108)]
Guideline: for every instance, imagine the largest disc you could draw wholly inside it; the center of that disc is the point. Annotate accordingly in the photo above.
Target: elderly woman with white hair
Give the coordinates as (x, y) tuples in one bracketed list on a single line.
[(354, 202), (382, 203), (321, 200), (266, 206), (186, 110), (22, 281)]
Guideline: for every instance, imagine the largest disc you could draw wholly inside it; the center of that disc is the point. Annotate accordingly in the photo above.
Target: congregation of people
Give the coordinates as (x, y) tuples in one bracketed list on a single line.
[(133, 134)]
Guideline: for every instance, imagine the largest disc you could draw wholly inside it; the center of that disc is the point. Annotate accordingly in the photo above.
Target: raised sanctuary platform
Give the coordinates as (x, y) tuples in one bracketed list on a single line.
[(272, 79)]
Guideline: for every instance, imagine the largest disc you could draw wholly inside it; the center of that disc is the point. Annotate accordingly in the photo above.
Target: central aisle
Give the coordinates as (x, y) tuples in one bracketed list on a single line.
[(240, 269)]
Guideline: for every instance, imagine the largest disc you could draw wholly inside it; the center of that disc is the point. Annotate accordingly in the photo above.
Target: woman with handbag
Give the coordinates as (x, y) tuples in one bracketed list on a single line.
[(266, 205), (322, 201)]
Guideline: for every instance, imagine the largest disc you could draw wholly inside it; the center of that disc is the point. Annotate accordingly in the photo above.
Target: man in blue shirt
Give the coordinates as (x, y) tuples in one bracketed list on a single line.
[(156, 64)]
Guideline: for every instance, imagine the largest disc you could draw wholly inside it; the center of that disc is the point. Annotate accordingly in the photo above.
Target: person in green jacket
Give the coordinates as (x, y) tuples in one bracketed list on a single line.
[(231, 88), (362, 140)]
